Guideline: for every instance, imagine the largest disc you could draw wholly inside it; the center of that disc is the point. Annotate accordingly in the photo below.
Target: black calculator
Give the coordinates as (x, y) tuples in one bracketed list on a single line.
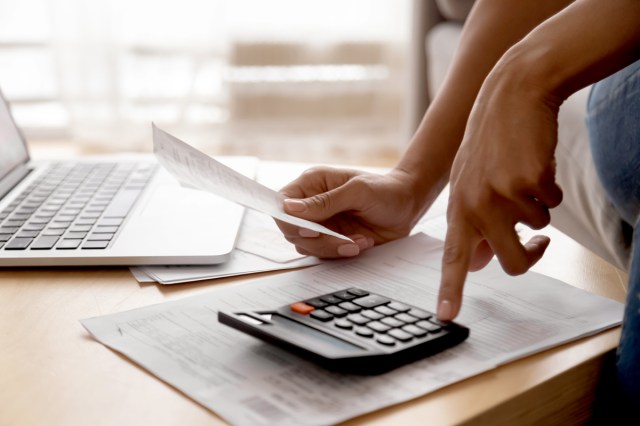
[(351, 331)]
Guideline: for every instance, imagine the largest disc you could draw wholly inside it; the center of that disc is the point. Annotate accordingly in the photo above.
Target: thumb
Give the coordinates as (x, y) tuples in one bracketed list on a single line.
[(322, 206)]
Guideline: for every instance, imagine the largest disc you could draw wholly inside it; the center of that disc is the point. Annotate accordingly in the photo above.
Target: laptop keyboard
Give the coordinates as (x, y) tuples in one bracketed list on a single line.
[(73, 206)]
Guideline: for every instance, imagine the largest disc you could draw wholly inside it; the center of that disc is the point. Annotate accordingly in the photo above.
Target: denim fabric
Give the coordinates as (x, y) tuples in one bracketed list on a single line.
[(614, 131)]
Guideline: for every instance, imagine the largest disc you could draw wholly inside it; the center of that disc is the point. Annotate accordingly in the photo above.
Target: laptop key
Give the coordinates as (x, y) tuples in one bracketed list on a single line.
[(100, 237), (95, 244), (44, 242), (27, 234), (68, 244), (56, 232), (18, 244), (31, 226), (8, 230), (76, 235), (105, 229)]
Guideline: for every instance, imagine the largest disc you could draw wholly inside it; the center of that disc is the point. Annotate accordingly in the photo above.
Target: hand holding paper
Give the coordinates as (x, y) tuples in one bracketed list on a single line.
[(196, 169)]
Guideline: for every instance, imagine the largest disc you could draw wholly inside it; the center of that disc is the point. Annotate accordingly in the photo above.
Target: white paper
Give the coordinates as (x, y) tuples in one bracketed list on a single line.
[(240, 263), (196, 169), (141, 275), (261, 236), (249, 382)]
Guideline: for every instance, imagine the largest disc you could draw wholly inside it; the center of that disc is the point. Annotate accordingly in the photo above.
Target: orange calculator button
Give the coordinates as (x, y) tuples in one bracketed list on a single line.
[(302, 308)]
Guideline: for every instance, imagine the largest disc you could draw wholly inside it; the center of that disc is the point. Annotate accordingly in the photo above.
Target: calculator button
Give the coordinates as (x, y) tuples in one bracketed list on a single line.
[(358, 292), (371, 301), (438, 322), (343, 323), (416, 331), (378, 326), (392, 322), (401, 335), (339, 312), (406, 318), (429, 326), (345, 295), (385, 310), (386, 340), (323, 316), (400, 307), (418, 313), (358, 319), (364, 332), (330, 299), (316, 303), (302, 308), (350, 307), (371, 314)]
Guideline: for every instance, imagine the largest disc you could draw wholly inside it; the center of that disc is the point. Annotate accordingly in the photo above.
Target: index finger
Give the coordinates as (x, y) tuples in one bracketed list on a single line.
[(458, 246)]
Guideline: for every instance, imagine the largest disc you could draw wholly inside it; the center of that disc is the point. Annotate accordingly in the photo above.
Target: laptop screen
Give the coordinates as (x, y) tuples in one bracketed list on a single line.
[(13, 150)]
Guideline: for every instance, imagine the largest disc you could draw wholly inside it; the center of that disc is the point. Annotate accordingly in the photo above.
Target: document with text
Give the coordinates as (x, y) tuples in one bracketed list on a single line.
[(197, 170), (249, 382)]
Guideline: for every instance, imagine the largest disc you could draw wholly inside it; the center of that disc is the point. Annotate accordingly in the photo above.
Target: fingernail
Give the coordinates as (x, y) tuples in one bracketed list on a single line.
[(348, 250), (362, 242), (308, 233), (295, 205), (445, 310)]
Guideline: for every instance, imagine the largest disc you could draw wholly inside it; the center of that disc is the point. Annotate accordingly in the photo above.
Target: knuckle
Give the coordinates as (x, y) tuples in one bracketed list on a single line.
[(451, 254), (321, 201), (316, 171)]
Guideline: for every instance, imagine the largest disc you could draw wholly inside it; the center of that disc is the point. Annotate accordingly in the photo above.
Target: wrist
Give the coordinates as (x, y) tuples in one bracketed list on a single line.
[(530, 71), (422, 187)]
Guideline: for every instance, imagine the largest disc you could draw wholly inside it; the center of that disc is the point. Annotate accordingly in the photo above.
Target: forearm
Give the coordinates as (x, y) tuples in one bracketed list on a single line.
[(491, 29), (584, 43)]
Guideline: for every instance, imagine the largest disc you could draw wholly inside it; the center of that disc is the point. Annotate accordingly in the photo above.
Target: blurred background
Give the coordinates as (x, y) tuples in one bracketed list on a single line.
[(281, 79)]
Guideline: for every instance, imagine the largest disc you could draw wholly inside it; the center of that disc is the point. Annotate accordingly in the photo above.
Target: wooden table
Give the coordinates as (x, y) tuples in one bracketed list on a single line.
[(52, 372)]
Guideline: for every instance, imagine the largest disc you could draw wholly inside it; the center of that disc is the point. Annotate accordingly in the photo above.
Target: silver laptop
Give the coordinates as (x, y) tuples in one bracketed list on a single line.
[(107, 210)]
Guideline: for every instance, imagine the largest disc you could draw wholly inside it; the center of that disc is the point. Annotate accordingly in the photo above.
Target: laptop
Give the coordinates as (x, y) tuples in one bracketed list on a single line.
[(107, 210)]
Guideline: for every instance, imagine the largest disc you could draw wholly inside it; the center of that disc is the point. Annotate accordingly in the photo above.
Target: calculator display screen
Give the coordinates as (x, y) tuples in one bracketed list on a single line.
[(310, 335)]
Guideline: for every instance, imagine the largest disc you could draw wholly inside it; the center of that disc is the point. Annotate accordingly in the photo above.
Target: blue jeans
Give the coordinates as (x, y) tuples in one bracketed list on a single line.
[(613, 121)]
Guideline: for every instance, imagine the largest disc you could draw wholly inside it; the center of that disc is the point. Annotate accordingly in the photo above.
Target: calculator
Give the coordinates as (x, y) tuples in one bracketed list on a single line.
[(351, 331)]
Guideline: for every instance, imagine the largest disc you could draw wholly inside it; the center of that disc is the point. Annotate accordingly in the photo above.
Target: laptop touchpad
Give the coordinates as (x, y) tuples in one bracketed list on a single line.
[(168, 199)]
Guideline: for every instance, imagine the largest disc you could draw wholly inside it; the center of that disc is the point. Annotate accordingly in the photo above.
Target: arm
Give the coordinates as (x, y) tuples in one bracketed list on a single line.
[(375, 209), (504, 172), (492, 27)]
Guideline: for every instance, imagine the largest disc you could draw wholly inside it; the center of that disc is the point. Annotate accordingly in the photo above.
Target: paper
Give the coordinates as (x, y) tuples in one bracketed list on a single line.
[(240, 263), (261, 236), (249, 382), (196, 169), (141, 275)]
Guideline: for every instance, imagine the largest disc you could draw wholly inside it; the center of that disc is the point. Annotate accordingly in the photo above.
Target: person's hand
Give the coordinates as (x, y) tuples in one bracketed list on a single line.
[(504, 173), (368, 208)]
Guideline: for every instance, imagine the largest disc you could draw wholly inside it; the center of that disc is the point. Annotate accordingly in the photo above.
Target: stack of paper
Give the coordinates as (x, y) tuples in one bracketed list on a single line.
[(249, 382)]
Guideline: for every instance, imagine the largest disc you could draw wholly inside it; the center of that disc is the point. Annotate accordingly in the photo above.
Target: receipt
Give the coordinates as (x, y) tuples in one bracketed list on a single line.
[(197, 170)]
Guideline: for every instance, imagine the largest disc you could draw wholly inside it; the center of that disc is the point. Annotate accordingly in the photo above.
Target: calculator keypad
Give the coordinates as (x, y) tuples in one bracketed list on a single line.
[(371, 316)]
